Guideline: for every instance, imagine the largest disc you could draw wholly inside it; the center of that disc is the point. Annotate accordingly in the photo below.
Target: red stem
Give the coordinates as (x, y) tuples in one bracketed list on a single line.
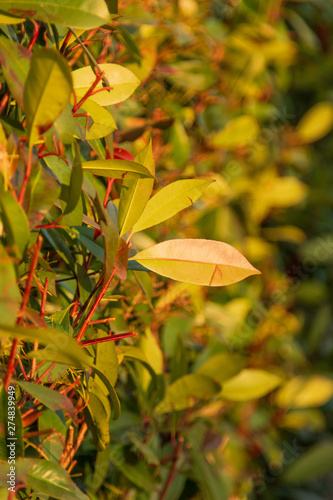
[(94, 307), (11, 362), (104, 320), (108, 191), (35, 35), (65, 42), (89, 92), (27, 175), (173, 469), (107, 339)]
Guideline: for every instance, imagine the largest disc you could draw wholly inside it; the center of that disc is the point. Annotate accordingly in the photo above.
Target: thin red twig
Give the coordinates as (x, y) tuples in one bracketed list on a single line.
[(113, 338)]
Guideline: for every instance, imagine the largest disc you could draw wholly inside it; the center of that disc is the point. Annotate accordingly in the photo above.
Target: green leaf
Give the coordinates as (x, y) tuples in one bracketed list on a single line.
[(50, 398), (15, 62), (47, 90), (53, 480), (10, 296), (143, 448), (15, 224), (222, 366), (169, 201), (117, 169), (82, 14), (138, 474), (135, 194), (7, 426), (60, 347), (202, 262), (133, 353), (312, 464), (107, 360), (53, 444), (99, 413), (75, 184), (43, 190), (186, 391), (249, 384), (122, 81)]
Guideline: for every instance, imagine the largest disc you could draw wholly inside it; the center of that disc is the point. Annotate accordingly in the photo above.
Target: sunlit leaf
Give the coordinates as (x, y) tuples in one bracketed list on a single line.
[(15, 224), (77, 14), (117, 169), (169, 201), (47, 90), (122, 81), (239, 132), (202, 262), (186, 391), (10, 296), (250, 383), (15, 62), (222, 367), (316, 123), (301, 392)]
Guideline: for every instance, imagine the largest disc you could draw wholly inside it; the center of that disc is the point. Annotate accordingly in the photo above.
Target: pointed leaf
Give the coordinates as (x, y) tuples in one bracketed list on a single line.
[(117, 169), (103, 122), (185, 392), (169, 201), (82, 14), (314, 463), (47, 90), (202, 262), (10, 296), (15, 62), (50, 398), (122, 81), (75, 184), (15, 225), (135, 194)]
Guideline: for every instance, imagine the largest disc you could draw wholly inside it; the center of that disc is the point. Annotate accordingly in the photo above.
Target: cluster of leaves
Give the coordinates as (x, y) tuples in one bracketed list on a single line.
[(192, 415)]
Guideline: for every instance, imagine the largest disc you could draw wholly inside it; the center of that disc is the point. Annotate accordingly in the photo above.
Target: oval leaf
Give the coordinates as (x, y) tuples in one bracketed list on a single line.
[(122, 81), (250, 384), (316, 123), (169, 201), (202, 262), (47, 90), (185, 392)]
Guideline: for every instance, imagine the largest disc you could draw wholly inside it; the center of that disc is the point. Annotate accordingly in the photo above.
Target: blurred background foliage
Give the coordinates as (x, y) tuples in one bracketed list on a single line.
[(239, 91)]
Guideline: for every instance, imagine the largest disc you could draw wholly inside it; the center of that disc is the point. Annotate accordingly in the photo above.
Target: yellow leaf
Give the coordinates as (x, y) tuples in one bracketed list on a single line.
[(250, 384), (202, 262), (305, 393), (122, 81), (316, 123), (239, 132)]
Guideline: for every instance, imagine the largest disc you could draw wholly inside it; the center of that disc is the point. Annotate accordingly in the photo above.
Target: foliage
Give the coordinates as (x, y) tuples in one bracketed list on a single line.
[(128, 385)]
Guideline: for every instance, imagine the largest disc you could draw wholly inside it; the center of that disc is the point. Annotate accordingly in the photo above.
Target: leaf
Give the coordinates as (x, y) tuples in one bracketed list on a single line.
[(169, 201), (136, 354), (50, 398), (202, 262), (250, 384), (10, 296), (60, 347), (135, 194), (301, 392), (117, 169), (75, 184), (82, 14), (238, 132), (316, 123), (51, 479), (43, 190), (99, 413), (122, 81), (103, 122), (312, 464), (107, 360), (15, 225), (47, 90), (53, 444), (15, 62), (222, 366), (185, 392), (139, 474)]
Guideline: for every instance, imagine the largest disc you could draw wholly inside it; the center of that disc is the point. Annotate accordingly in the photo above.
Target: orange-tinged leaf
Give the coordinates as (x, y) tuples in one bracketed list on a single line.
[(202, 262)]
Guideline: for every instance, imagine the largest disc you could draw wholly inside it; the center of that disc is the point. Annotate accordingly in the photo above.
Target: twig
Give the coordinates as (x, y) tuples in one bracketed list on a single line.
[(173, 469)]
